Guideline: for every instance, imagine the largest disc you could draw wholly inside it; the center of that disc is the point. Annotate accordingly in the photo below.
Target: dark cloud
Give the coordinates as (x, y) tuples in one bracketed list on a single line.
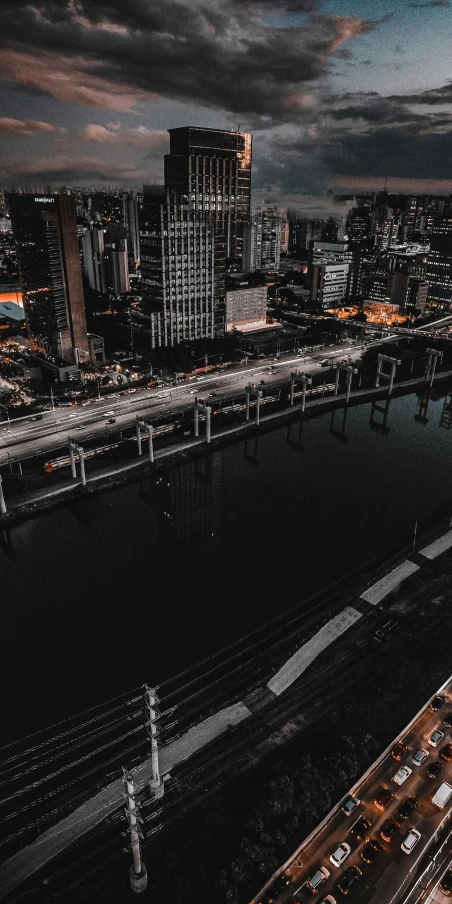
[(433, 97), (222, 54), (430, 5)]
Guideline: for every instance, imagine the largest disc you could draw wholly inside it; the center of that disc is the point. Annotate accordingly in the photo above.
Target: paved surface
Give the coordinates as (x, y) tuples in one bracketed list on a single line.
[(302, 659), (385, 585), (392, 870), (441, 545)]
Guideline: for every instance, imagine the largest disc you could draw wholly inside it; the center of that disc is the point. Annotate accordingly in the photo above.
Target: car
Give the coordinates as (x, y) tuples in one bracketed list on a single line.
[(111, 420), (37, 417), (434, 769), (446, 753), (130, 391), (317, 879), (448, 721), (329, 900), (382, 799), (437, 703), (445, 884), (435, 738), (401, 776), (261, 383), (388, 829), (361, 828), (192, 391), (399, 751), (107, 414), (370, 851), (350, 805), (73, 415), (340, 854), (407, 807), (420, 756), (411, 841), (348, 880), (80, 426)]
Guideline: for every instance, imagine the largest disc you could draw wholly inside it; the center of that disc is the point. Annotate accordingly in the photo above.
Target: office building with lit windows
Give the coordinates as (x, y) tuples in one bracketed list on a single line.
[(438, 271), (45, 231), (188, 229)]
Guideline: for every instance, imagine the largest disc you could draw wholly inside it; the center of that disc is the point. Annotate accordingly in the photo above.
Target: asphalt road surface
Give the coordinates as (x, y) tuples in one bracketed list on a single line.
[(389, 875), (26, 437)]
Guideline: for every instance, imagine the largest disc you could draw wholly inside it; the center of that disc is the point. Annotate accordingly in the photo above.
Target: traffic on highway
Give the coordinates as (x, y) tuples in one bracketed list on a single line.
[(370, 846)]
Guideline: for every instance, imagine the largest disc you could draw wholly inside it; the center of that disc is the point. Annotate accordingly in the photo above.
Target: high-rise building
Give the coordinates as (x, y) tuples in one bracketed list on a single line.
[(262, 241), (213, 169), (385, 228), (187, 230), (246, 308), (285, 229), (93, 244), (45, 231), (131, 224), (116, 259), (439, 263)]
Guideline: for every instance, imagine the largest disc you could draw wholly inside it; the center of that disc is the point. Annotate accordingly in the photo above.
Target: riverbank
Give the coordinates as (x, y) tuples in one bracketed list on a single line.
[(19, 510)]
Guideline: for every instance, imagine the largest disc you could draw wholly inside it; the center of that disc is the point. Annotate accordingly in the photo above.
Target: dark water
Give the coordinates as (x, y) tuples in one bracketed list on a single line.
[(136, 584)]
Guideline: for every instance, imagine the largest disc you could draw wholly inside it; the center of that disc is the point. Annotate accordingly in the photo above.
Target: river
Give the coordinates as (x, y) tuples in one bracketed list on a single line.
[(135, 584)]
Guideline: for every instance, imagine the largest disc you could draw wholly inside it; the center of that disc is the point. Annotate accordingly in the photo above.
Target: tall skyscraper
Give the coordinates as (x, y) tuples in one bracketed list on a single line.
[(94, 258), (45, 230), (439, 263), (131, 224), (188, 228), (116, 259), (262, 241)]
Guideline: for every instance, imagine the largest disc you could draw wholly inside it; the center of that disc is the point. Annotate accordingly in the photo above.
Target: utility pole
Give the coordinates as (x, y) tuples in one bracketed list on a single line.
[(153, 714), (138, 874)]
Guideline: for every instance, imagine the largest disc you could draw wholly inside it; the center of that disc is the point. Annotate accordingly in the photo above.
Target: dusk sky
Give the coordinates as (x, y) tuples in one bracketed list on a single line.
[(338, 93)]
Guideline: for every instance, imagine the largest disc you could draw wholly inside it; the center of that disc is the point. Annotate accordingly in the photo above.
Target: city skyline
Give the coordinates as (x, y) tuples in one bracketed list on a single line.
[(339, 96)]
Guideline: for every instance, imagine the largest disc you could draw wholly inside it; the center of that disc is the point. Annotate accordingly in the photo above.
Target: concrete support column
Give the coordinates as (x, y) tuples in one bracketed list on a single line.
[(138, 875), (247, 415), (81, 454), (349, 384), (156, 783), (196, 419), (336, 387), (208, 415), (72, 457), (433, 356), (2, 498), (258, 399), (292, 384), (151, 442), (138, 432), (391, 378)]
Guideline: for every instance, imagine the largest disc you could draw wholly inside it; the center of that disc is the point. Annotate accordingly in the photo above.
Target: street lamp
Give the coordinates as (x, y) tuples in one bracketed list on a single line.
[(7, 415)]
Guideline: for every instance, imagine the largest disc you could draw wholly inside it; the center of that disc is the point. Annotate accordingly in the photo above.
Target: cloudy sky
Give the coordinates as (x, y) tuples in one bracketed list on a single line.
[(338, 94)]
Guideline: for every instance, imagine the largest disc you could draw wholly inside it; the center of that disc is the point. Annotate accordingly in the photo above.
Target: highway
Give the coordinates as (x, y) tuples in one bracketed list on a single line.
[(387, 878), (26, 437)]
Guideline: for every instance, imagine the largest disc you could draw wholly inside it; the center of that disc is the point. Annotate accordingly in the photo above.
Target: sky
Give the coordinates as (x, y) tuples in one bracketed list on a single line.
[(338, 94)]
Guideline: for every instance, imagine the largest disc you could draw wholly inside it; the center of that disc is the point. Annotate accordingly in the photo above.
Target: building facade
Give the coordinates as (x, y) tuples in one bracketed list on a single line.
[(246, 309), (93, 244), (439, 264), (45, 231), (131, 224), (262, 241), (188, 229)]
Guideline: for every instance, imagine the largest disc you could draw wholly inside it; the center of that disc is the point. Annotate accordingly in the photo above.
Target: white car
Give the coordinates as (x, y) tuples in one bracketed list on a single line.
[(436, 737), (328, 900), (401, 776), (411, 841), (420, 756), (350, 805), (340, 854)]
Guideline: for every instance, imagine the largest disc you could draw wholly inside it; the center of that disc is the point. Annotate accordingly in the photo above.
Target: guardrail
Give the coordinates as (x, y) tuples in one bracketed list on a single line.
[(351, 793)]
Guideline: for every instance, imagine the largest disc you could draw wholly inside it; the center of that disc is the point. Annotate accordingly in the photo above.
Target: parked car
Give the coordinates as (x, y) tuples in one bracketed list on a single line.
[(370, 851), (388, 829), (401, 776), (445, 884), (437, 703), (407, 807), (446, 753), (435, 738), (399, 751), (317, 879), (382, 799), (448, 721), (411, 841), (420, 756), (361, 827), (434, 769), (350, 805), (340, 854), (348, 880)]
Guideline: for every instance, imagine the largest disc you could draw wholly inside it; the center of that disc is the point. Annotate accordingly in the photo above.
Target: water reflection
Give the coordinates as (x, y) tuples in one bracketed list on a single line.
[(189, 501), (379, 410), (338, 424)]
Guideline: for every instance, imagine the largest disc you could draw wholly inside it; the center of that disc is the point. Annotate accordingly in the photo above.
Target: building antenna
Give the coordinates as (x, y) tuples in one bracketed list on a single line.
[(386, 182)]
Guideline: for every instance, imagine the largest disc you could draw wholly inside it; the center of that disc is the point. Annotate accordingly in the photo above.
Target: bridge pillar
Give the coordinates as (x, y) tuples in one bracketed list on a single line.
[(138, 874), (81, 455), (138, 433), (433, 355), (151, 442), (196, 417), (2, 498), (156, 783), (393, 362), (72, 457), (349, 370), (199, 406)]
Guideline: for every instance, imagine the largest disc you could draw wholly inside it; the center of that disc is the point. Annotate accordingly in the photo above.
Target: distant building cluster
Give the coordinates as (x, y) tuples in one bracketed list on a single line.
[(192, 260)]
